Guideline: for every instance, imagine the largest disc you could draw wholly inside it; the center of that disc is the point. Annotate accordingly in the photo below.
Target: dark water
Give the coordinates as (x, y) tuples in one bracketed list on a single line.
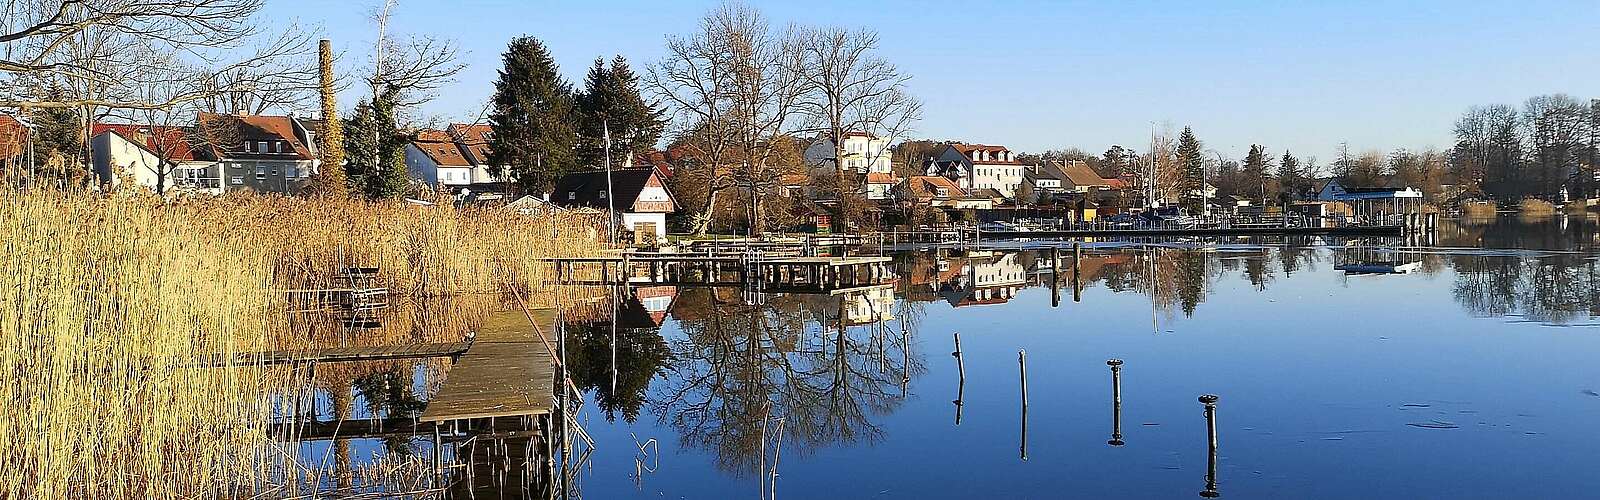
[(1471, 374)]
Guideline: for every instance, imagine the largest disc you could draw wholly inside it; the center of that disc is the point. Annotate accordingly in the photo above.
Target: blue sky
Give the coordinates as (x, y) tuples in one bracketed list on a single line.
[(1040, 75)]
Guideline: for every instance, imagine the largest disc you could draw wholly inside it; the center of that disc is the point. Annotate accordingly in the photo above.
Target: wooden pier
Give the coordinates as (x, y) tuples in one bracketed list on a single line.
[(506, 373), (336, 354), (771, 274)]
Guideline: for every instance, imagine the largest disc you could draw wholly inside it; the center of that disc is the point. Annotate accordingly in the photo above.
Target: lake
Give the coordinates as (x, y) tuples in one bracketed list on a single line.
[(1454, 366)]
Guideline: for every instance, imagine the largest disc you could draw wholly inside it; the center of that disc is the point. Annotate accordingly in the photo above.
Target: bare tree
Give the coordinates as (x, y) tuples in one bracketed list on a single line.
[(415, 66), (735, 84), (850, 89)]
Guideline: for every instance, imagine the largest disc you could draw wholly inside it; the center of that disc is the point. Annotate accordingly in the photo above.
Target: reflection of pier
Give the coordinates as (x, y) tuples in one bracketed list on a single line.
[(769, 274), (1376, 261)]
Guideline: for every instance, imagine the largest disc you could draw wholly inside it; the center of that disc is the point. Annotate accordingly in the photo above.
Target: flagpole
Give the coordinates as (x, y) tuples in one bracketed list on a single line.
[(611, 195)]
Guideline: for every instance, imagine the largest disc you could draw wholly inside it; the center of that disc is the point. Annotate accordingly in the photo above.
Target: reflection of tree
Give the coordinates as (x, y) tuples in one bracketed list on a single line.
[(641, 356), (388, 394), (790, 357), (1551, 290), (1258, 270)]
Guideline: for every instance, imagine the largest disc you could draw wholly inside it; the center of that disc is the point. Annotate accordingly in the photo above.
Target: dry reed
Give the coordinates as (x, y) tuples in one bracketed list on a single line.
[(1534, 206), (108, 298), (1478, 209)]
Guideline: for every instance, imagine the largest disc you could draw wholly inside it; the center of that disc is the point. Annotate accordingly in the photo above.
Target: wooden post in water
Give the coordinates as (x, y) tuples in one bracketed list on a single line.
[(1210, 400), (1022, 371), (961, 380), (1116, 402)]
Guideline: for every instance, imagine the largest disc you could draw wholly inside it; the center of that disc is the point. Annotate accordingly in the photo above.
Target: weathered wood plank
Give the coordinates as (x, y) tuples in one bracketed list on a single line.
[(508, 372)]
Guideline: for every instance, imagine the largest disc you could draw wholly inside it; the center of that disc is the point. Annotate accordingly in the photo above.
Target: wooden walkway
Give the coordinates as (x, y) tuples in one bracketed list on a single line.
[(507, 373), (335, 354)]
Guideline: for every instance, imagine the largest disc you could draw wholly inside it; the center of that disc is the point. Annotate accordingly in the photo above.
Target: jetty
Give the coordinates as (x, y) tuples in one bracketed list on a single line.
[(776, 274)]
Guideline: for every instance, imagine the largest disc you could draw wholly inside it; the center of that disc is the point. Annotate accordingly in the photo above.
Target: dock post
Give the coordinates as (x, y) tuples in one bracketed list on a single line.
[(1116, 402), (1210, 400), (1022, 371)]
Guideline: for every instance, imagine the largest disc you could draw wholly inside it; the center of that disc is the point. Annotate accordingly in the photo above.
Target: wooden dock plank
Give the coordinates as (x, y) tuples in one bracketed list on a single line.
[(507, 373), (337, 354)]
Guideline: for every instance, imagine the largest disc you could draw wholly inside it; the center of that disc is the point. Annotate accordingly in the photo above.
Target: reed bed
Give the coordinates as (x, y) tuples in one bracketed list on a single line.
[(1479, 209), (1534, 206), (108, 300)]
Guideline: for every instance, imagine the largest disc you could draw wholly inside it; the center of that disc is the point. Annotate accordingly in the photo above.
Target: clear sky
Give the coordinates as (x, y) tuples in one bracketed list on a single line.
[(1036, 75)]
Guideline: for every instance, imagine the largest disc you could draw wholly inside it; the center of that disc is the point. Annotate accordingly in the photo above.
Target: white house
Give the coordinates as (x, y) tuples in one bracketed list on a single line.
[(642, 201), (456, 158), (863, 153), (978, 166), (150, 157)]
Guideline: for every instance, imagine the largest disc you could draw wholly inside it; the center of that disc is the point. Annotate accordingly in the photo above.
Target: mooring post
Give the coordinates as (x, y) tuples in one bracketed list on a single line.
[(1210, 400), (1116, 402), (961, 380), (1022, 372)]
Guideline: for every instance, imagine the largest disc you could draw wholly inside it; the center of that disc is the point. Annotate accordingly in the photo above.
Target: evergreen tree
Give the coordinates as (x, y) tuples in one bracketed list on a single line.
[(1192, 162), (533, 137), (1257, 170), (58, 143), (375, 149), (1289, 175), (611, 99)]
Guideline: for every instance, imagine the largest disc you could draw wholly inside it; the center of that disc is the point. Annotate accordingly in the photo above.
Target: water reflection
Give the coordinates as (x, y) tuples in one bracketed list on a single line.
[(827, 364)]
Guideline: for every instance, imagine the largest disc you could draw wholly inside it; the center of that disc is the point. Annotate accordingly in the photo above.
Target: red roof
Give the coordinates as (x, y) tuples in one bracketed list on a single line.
[(173, 142), (256, 128), (441, 149), (474, 139), (881, 178), (968, 149), (927, 186), (13, 137)]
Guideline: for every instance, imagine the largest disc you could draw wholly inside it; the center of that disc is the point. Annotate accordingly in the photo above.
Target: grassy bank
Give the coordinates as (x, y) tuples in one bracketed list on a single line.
[(1478, 209), (107, 296)]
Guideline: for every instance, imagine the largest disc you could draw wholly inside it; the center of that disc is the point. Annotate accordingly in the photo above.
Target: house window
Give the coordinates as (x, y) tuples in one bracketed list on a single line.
[(261, 173), (572, 195), (261, 147), (602, 194), (236, 180)]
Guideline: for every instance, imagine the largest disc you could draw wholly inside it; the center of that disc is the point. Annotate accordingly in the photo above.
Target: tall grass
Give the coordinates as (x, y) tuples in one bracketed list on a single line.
[(1535, 206), (106, 299)]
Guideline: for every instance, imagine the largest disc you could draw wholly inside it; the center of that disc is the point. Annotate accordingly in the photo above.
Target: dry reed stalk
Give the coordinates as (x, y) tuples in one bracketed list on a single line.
[(106, 298)]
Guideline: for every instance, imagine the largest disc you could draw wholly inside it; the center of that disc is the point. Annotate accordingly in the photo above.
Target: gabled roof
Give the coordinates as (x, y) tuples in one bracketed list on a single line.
[(1079, 174), (441, 149), (245, 129), (170, 141), (968, 149), (927, 186), (584, 188), (474, 140), (1050, 170), (881, 178)]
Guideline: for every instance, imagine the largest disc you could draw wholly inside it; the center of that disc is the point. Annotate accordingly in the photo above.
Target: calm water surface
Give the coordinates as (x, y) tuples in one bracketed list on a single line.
[(1469, 373)]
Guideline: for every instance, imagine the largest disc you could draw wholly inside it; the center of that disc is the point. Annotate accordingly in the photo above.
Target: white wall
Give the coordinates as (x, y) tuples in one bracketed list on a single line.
[(660, 220)]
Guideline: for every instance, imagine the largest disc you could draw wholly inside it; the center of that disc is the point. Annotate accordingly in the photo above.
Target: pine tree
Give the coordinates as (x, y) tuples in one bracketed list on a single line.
[(1289, 174), (1193, 163), (611, 99), (533, 137), (1257, 170), (375, 150)]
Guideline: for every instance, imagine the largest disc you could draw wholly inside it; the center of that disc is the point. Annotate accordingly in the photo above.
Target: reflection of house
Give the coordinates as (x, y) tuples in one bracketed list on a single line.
[(978, 166), (641, 199), (993, 280), (863, 153), (655, 301), (869, 306)]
